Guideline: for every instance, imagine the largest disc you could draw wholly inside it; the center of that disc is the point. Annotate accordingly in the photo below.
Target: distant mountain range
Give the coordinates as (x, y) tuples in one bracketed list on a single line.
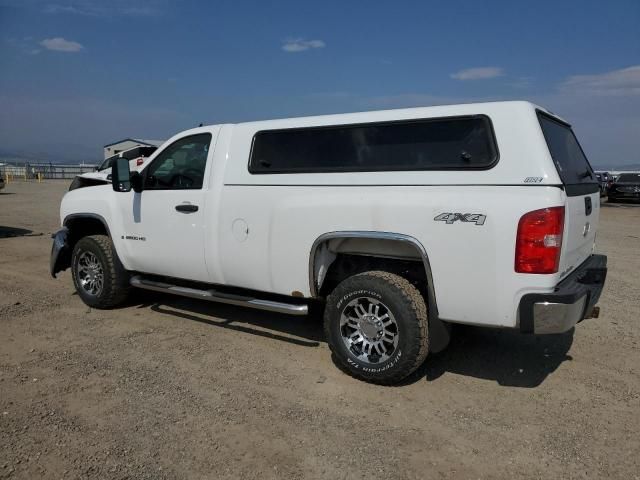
[(617, 167), (64, 153)]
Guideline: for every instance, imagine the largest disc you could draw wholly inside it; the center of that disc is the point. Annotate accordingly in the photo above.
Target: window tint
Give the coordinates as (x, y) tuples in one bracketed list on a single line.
[(451, 143), (571, 163), (180, 165)]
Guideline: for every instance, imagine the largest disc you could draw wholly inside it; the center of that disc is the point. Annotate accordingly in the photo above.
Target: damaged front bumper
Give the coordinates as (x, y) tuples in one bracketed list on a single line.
[(60, 252)]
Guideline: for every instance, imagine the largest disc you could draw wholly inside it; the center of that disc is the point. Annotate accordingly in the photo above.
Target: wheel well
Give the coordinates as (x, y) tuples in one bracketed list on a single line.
[(82, 226), (346, 265), (339, 255), (336, 256)]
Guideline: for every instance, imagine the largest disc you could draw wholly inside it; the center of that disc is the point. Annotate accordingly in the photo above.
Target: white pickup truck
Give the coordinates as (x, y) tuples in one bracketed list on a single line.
[(397, 222)]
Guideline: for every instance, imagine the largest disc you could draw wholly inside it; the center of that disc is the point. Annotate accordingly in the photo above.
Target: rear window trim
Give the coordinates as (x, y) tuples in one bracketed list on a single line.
[(484, 117), (550, 116), (572, 189)]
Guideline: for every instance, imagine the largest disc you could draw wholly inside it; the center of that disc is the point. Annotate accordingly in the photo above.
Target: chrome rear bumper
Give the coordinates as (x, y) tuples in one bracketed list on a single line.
[(572, 300)]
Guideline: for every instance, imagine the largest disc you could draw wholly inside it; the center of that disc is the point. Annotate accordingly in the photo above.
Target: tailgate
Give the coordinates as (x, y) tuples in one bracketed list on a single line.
[(582, 207), (581, 224)]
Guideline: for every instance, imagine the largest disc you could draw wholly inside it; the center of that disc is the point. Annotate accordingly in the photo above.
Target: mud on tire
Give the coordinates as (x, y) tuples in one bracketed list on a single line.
[(376, 327), (100, 279)]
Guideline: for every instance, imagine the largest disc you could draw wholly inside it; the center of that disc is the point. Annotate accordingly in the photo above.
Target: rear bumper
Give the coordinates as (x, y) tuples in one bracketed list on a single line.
[(571, 301)]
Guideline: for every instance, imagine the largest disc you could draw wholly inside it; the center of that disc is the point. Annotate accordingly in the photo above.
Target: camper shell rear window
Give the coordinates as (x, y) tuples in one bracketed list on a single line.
[(573, 167), (451, 143)]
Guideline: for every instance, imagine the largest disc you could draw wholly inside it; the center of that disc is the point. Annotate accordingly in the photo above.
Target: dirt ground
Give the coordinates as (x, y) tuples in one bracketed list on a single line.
[(176, 388)]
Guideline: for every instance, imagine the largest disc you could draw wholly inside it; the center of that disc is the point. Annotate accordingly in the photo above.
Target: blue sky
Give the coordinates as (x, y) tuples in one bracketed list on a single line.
[(75, 75)]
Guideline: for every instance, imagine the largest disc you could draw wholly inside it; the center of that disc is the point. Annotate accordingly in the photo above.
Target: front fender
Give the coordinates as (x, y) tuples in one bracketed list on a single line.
[(60, 252)]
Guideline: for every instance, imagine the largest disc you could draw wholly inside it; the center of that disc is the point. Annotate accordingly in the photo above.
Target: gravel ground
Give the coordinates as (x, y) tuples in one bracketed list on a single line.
[(176, 388)]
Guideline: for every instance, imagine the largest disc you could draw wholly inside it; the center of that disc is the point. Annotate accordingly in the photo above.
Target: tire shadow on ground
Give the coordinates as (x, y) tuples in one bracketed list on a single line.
[(507, 357)]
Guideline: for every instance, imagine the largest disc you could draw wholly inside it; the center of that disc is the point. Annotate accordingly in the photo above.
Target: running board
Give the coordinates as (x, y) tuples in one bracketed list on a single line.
[(214, 296)]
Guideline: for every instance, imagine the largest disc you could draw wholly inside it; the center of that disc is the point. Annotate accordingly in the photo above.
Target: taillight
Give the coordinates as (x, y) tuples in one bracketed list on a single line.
[(539, 241), (139, 162)]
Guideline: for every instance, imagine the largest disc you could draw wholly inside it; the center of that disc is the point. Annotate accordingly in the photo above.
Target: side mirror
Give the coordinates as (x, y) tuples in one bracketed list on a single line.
[(120, 175)]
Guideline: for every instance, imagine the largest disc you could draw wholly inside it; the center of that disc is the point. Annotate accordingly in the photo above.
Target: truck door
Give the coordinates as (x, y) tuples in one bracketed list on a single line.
[(164, 225)]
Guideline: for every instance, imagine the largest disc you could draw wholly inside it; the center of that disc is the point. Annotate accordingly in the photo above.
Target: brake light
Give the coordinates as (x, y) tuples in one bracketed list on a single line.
[(539, 241), (139, 161)]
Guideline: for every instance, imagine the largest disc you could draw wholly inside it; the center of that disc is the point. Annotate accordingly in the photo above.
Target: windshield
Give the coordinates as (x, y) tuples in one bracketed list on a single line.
[(573, 166), (629, 178)]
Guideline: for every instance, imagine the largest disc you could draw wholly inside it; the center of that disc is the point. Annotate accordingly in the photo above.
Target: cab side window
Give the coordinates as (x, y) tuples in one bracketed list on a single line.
[(181, 165)]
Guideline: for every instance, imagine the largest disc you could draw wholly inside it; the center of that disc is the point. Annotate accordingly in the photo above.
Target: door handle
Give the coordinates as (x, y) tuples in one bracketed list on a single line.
[(186, 208)]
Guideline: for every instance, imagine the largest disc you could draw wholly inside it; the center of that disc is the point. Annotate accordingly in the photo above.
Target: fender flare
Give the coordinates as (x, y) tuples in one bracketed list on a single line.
[(439, 331), (62, 241), (313, 287), (94, 216)]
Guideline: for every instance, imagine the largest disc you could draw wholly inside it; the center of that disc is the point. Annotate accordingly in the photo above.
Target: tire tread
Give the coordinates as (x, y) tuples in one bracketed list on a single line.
[(419, 329), (115, 276)]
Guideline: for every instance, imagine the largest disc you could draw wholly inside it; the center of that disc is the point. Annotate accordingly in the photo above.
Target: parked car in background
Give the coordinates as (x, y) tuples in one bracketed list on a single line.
[(625, 187), (605, 179), (137, 157), (1, 182), (137, 153), (603, 184)]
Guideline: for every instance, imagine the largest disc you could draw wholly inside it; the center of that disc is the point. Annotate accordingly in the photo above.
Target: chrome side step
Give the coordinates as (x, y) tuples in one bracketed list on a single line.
[(214, 296)]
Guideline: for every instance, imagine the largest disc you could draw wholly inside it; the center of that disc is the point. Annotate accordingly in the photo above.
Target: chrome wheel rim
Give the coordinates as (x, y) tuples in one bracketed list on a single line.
[(369, 330), (90, 273)]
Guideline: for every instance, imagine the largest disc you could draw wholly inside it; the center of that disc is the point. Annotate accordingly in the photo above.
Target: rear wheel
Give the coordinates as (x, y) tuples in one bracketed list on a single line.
[(376, 326), (100, 279)]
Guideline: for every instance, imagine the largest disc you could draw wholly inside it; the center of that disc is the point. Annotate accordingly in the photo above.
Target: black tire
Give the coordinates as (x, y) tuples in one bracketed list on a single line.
[(114, 287), (408, 310)]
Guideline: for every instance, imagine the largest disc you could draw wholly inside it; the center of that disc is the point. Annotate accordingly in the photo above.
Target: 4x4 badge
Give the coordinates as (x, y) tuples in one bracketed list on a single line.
[(450, 218)]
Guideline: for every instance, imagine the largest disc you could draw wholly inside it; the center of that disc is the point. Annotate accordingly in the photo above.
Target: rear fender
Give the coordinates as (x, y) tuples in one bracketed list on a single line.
[(378, 244)]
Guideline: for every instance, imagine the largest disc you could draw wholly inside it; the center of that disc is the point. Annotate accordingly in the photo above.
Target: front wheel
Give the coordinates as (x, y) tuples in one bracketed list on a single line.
[(100, 279), (376, 326)]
